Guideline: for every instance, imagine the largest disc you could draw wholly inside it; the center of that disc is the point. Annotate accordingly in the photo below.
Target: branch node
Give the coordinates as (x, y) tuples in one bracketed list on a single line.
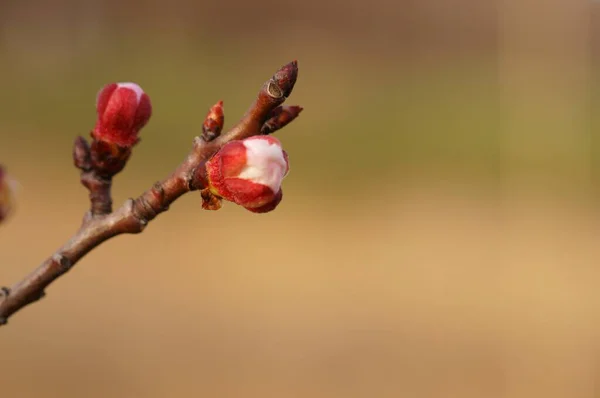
[(4, 291), (159, 194), (130, 208), (135, 210), (63, 262), (147, 207), (3, 320)]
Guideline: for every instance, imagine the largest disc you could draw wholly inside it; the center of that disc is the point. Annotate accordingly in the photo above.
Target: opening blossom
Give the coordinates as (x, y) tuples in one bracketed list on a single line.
[(249, 173), (123, 109)]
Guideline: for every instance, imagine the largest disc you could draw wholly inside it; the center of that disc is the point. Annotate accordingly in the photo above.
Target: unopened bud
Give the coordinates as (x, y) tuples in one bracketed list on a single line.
[(249, 172), (284, 79), (280, 117), (123, 109)]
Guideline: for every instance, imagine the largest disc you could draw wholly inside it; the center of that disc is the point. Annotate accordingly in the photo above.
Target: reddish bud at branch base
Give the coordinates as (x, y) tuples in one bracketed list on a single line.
[(213, 123), (6, 194), (249, 172), (123, 109)]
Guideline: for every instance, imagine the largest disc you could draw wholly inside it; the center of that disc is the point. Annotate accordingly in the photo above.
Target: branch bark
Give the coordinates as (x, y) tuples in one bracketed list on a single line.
[(101, 223)]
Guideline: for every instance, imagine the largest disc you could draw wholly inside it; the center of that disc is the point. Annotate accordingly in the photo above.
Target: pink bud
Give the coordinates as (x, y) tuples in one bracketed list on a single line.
[(123, 109), (249, 172), (6, 194)]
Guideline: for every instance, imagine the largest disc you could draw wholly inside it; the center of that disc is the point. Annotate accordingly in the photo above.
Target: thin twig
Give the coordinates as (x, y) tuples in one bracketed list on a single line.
[(101, 223)]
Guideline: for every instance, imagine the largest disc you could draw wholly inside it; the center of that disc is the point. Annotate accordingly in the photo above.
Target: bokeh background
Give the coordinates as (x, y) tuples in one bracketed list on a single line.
[(439, 233)]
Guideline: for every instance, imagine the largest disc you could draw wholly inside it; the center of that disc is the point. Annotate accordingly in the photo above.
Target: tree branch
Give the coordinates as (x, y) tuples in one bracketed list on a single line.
[(101, 223)]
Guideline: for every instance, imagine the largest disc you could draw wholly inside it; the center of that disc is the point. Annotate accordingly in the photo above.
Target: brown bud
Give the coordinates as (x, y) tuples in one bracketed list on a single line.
[(284, 79), (280, 117), (213, 123), (210, 201)]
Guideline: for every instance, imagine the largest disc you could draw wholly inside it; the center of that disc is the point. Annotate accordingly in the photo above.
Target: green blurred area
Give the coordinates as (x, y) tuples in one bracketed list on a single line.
[(363, 123), (367, 119), (358, 125)]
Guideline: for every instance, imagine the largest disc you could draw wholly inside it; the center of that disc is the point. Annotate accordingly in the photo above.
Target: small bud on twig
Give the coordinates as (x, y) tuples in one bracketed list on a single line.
[(285, 78), (210, 201), (213, 123), (280, 117), (249, 172)]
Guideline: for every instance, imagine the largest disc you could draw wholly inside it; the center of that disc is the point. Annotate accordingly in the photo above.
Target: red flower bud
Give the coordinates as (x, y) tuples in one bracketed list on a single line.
[(7, 187), (123, 109), (249, 172)]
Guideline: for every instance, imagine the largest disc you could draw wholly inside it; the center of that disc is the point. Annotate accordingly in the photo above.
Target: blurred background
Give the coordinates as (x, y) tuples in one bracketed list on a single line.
[(439, 232)]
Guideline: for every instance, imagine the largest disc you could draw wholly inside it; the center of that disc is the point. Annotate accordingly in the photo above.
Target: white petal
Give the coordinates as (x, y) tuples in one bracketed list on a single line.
[(265, 163)]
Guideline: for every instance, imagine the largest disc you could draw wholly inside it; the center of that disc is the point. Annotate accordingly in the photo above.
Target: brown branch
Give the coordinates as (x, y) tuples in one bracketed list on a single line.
[(101, 224)]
